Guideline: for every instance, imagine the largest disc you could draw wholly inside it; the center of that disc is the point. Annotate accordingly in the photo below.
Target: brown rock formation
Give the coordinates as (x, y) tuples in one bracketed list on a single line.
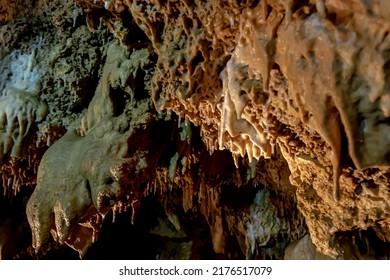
[(264, 120)]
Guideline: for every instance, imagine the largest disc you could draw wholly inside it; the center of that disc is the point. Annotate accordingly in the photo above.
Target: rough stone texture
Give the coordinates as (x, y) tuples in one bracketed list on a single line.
[(260, 121)]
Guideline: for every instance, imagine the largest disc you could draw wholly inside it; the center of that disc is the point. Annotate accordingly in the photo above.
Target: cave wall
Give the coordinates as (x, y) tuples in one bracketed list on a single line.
[(263, 123)]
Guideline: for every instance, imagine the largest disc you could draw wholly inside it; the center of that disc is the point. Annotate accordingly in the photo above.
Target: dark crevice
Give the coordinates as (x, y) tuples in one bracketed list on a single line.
[(362, 245)]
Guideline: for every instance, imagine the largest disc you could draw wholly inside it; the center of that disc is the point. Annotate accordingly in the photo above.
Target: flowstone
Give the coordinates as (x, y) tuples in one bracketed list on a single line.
[(20, 105), (75, 172), (81, 175)]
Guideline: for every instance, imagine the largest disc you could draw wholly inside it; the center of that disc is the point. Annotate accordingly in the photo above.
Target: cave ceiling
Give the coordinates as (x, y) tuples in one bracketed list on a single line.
[(213, 129)]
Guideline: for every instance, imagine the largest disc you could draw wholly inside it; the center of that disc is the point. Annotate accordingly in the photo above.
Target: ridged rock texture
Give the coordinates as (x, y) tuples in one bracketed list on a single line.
[(195, 129)]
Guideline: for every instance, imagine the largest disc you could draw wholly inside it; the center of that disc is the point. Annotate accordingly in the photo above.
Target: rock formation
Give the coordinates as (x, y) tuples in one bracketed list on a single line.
[(201, 129)]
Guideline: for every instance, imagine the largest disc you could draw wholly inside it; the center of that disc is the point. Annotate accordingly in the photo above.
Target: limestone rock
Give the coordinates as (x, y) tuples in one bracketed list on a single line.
[(254, 124)]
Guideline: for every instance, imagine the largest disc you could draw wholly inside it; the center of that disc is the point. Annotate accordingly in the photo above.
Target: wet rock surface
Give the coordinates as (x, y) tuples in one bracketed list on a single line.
[(195, 129)]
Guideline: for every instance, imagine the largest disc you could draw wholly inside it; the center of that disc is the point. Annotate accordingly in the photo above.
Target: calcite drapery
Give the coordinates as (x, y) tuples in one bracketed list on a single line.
[(83, 168), (75, 172), (19, 111), (302, 83), (20, 105), (307, 80)]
